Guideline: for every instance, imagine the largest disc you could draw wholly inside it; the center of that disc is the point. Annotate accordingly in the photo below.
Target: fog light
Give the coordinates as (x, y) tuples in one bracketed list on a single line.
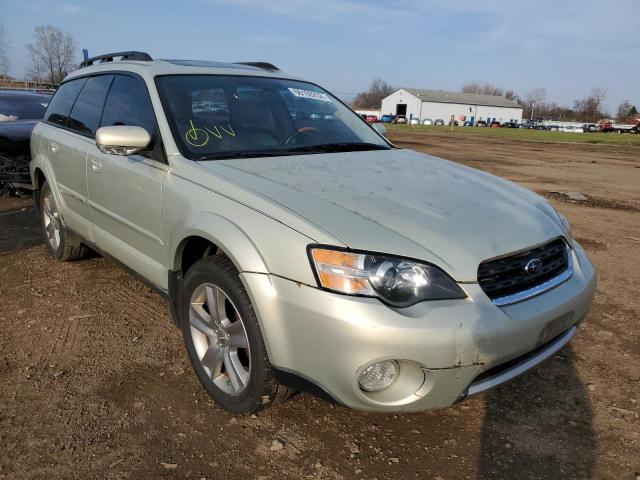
[(378, 376)]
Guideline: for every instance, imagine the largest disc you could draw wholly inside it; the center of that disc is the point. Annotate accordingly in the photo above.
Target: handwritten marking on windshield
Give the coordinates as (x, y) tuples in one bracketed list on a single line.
[(199, 137), (196, 137), (229, 132)]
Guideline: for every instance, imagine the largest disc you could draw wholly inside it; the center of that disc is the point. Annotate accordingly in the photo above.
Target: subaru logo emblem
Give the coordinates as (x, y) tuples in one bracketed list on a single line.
[(533, 266)]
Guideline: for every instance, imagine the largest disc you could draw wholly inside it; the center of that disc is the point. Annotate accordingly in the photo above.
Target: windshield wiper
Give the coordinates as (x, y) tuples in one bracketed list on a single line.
[(245, 154), (338, 147), (322, 148)]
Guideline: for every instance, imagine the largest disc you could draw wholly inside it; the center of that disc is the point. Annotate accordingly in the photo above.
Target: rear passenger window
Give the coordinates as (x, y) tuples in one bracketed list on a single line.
[(128, 104), (62, 101), (86, 112)]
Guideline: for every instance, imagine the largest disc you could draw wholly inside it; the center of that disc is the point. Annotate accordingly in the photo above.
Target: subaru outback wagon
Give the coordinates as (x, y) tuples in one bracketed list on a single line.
[(298, 248)]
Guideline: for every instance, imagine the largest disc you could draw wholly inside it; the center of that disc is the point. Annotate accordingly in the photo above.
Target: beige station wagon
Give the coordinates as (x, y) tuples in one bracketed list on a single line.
[(298, 248)]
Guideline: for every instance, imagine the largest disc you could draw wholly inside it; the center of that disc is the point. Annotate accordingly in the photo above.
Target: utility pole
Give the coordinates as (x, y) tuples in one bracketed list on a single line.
[(533, 105)]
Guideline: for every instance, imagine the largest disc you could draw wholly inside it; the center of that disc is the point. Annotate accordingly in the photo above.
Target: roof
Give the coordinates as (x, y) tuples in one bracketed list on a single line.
[(150, 68), (442, 96)]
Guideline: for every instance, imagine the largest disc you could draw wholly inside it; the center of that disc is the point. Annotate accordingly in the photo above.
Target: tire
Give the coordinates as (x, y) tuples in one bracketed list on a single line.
[(57, 239), (234, 371)]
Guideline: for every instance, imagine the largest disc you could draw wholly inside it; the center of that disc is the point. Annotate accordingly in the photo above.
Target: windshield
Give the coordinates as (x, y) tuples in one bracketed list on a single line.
[(20, 106), (216, 116)]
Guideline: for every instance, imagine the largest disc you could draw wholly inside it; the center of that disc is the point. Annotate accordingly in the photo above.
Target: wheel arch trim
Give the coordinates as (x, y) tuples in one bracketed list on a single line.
[(223, 233)]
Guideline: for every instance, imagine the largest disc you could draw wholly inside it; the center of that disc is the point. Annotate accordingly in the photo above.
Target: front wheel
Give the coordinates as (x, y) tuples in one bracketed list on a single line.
[(223, 338)]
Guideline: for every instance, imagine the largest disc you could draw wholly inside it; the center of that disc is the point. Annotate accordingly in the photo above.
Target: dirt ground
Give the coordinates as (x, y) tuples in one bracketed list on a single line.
[(95, 382)]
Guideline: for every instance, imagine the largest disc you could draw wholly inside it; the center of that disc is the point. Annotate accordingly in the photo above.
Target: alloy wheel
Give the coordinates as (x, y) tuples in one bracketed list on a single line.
[(51, 219), (219, 338)]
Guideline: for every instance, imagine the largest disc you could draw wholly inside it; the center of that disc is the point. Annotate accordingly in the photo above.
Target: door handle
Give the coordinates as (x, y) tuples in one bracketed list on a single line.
[(96, 165), (53, 146)]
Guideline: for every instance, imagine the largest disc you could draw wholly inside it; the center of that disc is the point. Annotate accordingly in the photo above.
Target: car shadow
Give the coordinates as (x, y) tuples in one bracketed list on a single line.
[(539, 426)]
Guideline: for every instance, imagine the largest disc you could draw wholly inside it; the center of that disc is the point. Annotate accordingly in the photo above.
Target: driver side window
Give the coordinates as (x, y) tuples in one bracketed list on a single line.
[(128, 103)]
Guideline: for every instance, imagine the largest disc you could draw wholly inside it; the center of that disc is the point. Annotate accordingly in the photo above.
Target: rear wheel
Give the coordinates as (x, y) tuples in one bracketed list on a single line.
[(58, 242), (223, 338)]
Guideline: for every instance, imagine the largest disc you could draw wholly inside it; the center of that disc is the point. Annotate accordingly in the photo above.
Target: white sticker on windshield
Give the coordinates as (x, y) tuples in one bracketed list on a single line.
[(298, 92)]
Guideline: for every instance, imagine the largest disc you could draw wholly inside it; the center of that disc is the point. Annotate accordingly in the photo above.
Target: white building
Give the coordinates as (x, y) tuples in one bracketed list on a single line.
[(438, 104)]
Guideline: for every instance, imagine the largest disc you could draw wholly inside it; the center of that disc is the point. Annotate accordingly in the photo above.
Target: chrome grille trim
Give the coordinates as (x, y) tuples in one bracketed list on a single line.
[(538, 289)]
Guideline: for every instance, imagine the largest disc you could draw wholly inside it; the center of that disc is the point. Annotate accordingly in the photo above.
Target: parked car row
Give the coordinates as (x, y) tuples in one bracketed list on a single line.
[(392, 118), (402, 119), (569, 127), (580, 127)]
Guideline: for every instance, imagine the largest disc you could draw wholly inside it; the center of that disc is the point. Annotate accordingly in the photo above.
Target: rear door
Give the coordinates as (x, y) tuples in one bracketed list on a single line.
[(125, 191), (68, 176), (78, 136)]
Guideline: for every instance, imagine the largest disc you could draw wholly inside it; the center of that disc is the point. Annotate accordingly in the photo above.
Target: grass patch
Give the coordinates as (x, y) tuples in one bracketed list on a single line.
[(522, 134)]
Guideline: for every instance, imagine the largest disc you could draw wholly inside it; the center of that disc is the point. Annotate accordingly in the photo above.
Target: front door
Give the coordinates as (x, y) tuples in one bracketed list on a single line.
[(125, 191)]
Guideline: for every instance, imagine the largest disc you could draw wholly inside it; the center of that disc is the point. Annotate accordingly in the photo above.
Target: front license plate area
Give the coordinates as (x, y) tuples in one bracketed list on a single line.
[(555, 327)]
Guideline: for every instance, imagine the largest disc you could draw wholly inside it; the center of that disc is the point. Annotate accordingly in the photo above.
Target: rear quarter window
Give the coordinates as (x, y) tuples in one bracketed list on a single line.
[(61, 103)]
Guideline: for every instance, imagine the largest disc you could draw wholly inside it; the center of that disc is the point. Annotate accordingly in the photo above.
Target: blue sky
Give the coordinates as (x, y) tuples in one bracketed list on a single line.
[(567, 46)]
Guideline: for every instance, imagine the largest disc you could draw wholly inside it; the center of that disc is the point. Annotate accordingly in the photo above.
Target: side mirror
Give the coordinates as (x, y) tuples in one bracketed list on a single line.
[(122, 140), (381, 129)]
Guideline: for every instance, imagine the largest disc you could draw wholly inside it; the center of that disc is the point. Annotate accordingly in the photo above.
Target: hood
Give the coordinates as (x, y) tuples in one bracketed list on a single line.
[(15, 137), (404, 203), (17, 129)]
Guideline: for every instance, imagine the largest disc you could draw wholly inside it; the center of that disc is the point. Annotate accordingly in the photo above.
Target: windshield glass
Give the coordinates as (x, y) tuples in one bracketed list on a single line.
[(22, 106), (216, 116)]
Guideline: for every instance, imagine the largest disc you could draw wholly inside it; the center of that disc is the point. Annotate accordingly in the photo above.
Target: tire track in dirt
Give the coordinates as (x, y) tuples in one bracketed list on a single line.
[(49, 340), (62, 342), (143, 312)]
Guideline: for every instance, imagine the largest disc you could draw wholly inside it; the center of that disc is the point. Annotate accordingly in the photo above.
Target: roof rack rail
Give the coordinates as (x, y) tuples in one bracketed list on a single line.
[(108, 57), (264, 65)]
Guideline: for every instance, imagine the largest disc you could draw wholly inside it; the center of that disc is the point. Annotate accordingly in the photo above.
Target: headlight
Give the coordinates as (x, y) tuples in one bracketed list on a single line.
[(396, 281)]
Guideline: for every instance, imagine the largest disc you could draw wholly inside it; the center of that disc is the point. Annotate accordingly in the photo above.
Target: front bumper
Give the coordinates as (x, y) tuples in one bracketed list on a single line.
[(442, 346)]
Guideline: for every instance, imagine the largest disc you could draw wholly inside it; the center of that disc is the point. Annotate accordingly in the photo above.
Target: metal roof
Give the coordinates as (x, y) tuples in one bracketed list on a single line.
[(442, 96), (148, 69), (145, 57)]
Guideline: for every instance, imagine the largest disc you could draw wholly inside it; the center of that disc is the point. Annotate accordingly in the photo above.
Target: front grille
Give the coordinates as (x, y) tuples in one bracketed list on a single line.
[(509, 275)]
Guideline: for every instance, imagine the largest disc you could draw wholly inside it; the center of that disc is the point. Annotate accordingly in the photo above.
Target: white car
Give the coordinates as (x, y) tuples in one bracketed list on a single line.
[(571, 129), (414, 121), (303, 253), (427, 121)]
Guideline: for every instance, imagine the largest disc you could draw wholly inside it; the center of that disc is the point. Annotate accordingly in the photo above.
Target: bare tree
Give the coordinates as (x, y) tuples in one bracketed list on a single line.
[(53, 54), (625, 110), (590, 108), (535, 104), (372, 98), (4, 51), (482, 89), (511, 95), (558, 112), (537, 95)]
